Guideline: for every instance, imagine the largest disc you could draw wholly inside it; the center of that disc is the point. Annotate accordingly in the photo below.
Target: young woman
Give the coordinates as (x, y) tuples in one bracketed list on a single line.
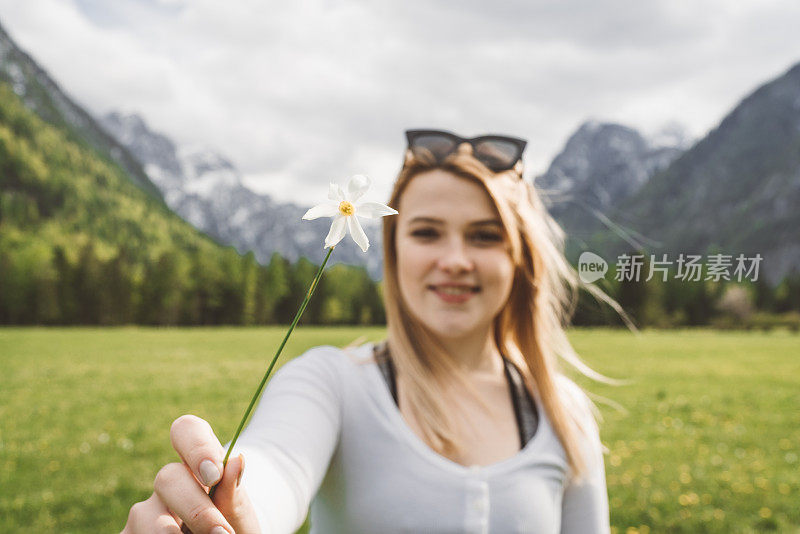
[(459, 422)]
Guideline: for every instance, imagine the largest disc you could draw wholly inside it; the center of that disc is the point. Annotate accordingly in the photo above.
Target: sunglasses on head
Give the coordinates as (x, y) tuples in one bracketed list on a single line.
[(497, 152)]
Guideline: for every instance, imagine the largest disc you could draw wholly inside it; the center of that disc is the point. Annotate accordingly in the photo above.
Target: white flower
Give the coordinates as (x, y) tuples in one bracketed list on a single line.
[(344, 207)]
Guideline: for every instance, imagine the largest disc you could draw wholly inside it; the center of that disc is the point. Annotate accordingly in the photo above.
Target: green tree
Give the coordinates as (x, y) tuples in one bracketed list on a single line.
[(161, 292), (118, 294), (88, 285), (66, 291), (787, 293), (248, 285), (275, 292), (301, 275), (633, 297)]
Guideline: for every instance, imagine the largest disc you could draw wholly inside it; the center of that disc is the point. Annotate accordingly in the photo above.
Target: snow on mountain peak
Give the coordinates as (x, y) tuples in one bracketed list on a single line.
[(207, 190), (670, 135), (206, 170)]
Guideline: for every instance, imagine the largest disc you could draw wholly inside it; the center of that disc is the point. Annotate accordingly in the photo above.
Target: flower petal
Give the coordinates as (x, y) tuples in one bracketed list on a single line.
[(336, 193), (374, 210), (357, 186), (358, 233), (328, 209), (338, 231)]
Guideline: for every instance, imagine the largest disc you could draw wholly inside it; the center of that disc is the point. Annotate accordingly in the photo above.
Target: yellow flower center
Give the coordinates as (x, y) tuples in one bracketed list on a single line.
[(346, 208)]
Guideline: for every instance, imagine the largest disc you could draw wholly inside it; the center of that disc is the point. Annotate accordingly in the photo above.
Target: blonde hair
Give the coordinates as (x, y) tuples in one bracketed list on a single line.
[(530, 329)]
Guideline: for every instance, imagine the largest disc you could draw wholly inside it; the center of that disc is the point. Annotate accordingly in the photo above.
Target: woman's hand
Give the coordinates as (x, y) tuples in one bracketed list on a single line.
[(181, 497)]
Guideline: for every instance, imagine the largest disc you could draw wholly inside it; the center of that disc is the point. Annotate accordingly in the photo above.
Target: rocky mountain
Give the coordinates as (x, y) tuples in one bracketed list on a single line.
[(42, 95), (80, 243), (601, 165), (736, 191), (206, 190)]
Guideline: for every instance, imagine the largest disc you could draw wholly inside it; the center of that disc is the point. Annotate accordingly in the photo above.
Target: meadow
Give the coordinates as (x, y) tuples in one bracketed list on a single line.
[(706, 437)]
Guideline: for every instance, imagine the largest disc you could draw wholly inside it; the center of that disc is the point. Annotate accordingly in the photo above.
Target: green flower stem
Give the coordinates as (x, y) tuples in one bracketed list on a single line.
[(272, 364)]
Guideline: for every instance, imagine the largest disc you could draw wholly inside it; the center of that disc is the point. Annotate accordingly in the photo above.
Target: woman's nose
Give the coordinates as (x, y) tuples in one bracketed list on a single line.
[(454, 257)]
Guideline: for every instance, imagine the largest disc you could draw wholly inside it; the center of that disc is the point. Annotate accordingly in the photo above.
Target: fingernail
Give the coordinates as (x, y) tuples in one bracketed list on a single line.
[(241, 472), (219, 530), (209, 472)]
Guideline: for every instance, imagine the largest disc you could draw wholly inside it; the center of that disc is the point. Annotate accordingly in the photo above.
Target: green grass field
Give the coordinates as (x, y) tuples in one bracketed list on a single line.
[(710, 441)]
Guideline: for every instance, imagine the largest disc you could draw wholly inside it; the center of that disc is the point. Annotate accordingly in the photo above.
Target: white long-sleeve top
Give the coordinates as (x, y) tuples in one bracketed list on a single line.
[(327, 434)]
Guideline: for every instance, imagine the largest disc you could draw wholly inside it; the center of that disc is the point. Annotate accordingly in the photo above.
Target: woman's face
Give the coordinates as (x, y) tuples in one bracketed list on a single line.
[(449, 234)]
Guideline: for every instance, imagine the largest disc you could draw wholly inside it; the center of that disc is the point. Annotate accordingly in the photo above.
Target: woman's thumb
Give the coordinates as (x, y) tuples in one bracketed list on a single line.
[(232, 500)]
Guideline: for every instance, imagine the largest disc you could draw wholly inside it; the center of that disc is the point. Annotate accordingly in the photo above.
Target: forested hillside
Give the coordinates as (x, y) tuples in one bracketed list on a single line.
[(42, 94), (80, 243)]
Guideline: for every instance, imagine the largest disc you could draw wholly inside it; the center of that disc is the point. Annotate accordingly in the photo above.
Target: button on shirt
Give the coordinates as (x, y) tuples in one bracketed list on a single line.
[(327, 434)]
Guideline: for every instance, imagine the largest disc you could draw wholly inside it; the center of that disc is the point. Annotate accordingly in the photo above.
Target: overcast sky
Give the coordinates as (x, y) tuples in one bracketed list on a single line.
[(301, 93)]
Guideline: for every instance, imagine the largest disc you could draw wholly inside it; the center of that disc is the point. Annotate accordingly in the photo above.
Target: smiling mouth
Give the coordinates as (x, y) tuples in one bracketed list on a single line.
[(450, 290)]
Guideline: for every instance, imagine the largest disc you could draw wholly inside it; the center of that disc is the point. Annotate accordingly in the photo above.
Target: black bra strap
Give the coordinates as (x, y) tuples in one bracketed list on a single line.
[(385, 364), (524, 406)]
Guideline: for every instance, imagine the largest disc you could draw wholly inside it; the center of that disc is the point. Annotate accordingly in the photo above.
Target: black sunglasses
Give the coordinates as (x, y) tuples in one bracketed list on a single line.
[(497, 152)]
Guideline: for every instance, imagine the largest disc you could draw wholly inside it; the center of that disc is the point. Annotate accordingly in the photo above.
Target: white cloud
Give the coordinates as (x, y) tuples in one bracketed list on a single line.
[(301, 93)]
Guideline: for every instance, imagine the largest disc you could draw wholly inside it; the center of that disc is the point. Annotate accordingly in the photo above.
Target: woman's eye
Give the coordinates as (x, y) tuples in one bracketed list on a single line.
[(484, 237), (424, 233), (489, 236)]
